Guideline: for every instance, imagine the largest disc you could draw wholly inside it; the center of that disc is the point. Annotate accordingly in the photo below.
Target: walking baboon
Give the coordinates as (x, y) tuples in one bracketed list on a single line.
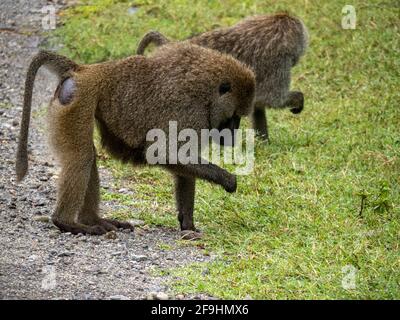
[(270, 45), (197, 87)]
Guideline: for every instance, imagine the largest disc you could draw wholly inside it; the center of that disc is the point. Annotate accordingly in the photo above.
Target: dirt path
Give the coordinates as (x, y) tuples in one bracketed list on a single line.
[(36, 260)]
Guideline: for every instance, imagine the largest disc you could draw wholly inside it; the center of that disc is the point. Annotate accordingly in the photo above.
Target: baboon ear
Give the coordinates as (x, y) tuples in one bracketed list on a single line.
[(224, 88)]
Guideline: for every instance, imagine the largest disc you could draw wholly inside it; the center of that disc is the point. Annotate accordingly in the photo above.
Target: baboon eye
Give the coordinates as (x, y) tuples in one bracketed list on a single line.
[(224, 88)]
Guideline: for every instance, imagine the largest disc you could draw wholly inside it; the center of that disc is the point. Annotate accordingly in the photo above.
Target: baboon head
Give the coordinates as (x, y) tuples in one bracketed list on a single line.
[(222, 85), (234, 99)]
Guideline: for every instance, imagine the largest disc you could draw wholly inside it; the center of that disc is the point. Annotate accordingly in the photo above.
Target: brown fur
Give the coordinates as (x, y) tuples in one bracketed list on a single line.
[(271, 45), (129, 97)]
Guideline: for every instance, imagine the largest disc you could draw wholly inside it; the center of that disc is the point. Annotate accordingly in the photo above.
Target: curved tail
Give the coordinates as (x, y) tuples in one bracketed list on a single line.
[(59, 65), (151, 37)]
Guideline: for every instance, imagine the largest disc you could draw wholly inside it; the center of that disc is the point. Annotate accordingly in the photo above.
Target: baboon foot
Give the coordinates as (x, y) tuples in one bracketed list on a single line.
[(191, 235), (108, 224), (263, 136), (230, 186), (96, 221), (190, 232), (296, 110), (120, 224), (297, 101), (76, 228)]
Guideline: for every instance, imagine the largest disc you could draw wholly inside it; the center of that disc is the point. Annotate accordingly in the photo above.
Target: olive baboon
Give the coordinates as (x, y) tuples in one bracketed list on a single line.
[(197, 87), (270, 45)]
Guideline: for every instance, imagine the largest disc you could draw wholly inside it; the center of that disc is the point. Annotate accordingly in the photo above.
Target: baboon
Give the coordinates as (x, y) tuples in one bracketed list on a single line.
[(271, 45), (197, 87)]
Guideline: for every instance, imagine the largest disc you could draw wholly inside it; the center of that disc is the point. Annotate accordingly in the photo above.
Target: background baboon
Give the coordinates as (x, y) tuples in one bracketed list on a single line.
[(271, 45), (197, 87)]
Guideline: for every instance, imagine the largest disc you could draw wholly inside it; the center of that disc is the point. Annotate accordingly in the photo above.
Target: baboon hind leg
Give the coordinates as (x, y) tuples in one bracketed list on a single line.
[(89, 214), (184, 193), (73, 184)]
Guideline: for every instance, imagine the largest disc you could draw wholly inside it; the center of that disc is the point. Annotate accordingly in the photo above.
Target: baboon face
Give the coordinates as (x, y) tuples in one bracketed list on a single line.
[(235, 99), (221, 83)]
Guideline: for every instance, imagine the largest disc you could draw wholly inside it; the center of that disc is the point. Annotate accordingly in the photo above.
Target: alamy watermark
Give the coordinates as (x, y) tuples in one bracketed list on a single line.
[(49, 21), (349, 273), (49, 281), (349, 18), (186, 147)]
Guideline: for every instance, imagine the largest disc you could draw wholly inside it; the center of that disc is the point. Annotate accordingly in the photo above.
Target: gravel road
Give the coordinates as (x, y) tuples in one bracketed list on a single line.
[(36, 260)]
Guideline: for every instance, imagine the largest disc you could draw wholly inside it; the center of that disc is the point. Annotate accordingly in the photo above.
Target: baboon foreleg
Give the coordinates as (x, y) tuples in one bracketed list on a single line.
[(295, 101), (185, 180), (260, 124), (89, 214), (184, 193), (206, 171)]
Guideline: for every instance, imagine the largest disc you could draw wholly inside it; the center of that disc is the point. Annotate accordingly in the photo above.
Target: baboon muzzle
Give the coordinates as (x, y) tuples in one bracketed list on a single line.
[(231, 124)]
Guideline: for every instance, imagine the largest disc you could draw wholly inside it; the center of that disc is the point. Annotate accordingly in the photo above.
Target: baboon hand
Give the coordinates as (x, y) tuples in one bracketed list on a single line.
[(296, 101), (230, 184)]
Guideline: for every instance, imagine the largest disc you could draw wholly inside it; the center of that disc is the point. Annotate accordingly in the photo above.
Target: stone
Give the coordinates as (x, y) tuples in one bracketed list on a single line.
[(65, 254), (139, 257), (44, 219), (119, 297), (161, 296), (136, 222)]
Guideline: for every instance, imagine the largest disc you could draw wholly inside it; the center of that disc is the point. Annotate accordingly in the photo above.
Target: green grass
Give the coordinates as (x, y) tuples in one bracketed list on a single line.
[(5, 105), (295, 222)]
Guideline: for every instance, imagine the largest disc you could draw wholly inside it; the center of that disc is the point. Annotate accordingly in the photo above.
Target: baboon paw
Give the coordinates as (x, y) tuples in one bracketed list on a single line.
[(76, 228), (190, 235), (262, 136), (296, 110), (297, 102), (107, 225), (97, 230), (231, 186), (120, 224), (189, 226)]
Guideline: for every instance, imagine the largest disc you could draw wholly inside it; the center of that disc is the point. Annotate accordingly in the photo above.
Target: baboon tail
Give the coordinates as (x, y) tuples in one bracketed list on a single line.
[(151, 37), (59, 65)]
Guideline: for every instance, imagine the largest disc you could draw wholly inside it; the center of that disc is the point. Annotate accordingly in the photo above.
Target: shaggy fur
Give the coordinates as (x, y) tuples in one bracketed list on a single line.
[(181, 82), (271, 45)]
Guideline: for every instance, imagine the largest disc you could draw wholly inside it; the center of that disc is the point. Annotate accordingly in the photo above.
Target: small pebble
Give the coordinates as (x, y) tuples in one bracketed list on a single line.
[(136, 222), (159, 296), (119, 297), (12, 205), (65, 254), (139, 257), (44, 219)]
